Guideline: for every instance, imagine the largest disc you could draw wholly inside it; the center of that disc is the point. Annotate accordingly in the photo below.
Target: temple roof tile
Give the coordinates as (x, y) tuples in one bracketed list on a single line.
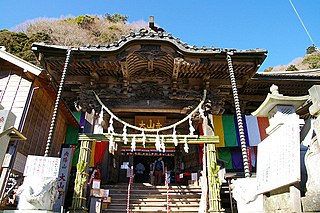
[(145, 35)]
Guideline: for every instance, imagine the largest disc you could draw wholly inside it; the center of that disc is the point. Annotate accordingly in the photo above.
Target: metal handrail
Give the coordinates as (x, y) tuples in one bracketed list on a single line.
[(167, 187), (129, 189)]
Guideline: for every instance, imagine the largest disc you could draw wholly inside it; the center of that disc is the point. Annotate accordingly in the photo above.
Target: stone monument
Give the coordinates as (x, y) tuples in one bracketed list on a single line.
[(244, 191), (39, 190), (311, 202), (37, 193), (278, 163)]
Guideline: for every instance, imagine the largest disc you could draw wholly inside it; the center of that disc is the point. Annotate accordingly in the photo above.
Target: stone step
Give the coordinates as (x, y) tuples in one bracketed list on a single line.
[(153, 210), (156, 189), (172, 200), (157, 204), (148, 198), (150, 193), (149, 185)]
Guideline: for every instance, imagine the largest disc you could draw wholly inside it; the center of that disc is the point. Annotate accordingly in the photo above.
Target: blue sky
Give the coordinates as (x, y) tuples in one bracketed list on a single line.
[(240, 24)]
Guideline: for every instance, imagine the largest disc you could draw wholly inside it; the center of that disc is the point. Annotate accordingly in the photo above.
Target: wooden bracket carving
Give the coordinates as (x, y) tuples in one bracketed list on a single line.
[(94, 76), (125, 73), (175, 73), (150, 65)]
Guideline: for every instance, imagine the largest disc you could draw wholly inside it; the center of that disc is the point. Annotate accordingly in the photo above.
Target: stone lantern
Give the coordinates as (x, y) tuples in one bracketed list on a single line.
[(278, 163)]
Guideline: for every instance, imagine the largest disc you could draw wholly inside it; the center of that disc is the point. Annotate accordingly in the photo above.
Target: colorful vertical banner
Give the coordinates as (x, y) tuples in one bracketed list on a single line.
[(225, 155), (218, 130), (100, 148), (93, 149), (254, 137), (263, 123), (230, 135)]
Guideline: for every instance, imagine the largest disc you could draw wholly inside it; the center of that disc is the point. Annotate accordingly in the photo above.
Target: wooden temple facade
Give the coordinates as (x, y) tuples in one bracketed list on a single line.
[(150, 79)]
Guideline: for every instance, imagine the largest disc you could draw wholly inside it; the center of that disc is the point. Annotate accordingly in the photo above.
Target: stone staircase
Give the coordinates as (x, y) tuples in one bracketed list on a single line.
[(147, 198)]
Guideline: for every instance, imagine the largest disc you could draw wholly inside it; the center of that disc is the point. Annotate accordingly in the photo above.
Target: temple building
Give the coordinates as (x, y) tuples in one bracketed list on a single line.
[(143, 83)]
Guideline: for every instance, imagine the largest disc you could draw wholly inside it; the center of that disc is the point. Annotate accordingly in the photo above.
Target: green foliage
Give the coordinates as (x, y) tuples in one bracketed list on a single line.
[(14, 42), (311, 49), (107, 37), (312, 60), (69, 20), (114, 27), (292, 67), (40, 37), (19, 44), (74, 32), (84, 21), (115, 18)]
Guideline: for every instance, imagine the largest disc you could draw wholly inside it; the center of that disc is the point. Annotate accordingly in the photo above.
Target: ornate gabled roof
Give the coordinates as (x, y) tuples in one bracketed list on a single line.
[(157, 52), (149, 35), (148, 65), (154, 65)]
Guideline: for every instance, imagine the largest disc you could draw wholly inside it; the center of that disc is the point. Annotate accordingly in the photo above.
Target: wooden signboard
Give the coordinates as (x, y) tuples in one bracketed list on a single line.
[(150, 122), (63, 178)]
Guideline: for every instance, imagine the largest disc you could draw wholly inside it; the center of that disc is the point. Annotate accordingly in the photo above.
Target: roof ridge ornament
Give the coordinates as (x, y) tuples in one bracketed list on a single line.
[(153, 27)]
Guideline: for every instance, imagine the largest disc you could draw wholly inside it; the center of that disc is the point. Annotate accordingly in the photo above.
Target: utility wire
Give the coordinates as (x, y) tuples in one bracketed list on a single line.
[(301, 21)]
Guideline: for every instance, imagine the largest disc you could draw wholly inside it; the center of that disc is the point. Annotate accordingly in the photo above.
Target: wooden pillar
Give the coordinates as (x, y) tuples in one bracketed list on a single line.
[(213, 179), (80, 186)]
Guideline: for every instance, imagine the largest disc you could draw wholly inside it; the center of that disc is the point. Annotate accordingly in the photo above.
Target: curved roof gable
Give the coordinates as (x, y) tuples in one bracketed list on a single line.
[(149, 35)]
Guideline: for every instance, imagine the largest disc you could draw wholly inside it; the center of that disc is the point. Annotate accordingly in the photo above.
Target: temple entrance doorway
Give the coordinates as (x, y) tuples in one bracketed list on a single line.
[(143, 167)]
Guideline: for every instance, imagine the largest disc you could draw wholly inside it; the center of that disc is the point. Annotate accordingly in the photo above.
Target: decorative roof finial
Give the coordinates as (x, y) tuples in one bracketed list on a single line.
[(153, 27), (274, 89), (151, 22)]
